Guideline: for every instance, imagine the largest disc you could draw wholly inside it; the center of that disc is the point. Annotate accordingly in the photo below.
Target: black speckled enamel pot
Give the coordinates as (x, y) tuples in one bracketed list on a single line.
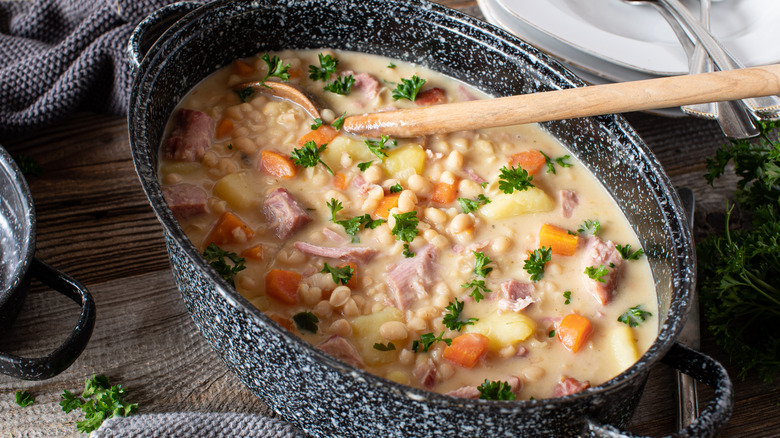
[(322, 395)]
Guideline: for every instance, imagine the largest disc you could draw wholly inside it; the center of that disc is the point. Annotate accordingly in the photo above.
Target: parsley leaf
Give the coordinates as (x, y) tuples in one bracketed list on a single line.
[(495, 390), (405, 228), (481, 270), (634, 316), (590, 227), (625, 252), (514, 178), (479, 289), (452, 319), (536, 261), (408, 88), (317, 123), (391, 65), (276, 68), (550, 162), (339, 123), (377, 147), (352, 225), (245, 93), (327, 67), (567, 295), (427, 339), (597, 273), (408, 253), (306, 321), (215, 256), (341, 85), (383, 347), (396, 188), (364, 166), (24, 398), (551, 334), (308, 155), (339, 275), (335, 206), (100, 401), (469, 205), (28, 165), (480, 267)]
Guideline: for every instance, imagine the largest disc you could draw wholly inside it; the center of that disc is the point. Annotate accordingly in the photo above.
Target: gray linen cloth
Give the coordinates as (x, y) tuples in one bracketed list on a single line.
[(202, 425)]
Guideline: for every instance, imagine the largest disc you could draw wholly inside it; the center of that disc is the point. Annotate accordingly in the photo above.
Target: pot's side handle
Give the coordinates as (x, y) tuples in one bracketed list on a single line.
[(704, 369), (150, 28), (61, 358)]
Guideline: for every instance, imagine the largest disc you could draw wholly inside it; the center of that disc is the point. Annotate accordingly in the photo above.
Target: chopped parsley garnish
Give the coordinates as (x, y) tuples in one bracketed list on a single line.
[(551, 334), (339, 275), (28, 165), (514, 178), (567, 295), (339, 123), (364, 166), (427, 339), (334, 205), (391, 65), (479, 289), (276, 68), (327, 67), (215, 256), (590, 227), (551, 162), (495, 390), (377, 147), (597, 273), (536, 261), (396, 188), (408, 88), (405, 228), (634, 316), (99, 401), (481, 270), (317, 123), (230, 146), (341, 85), (306, 321), (452, 319), (480, 267), (469, 205), (625, 252), (24, 398), (245, 93), (407, 252), (383, 347), (309, 155), (352, 226)]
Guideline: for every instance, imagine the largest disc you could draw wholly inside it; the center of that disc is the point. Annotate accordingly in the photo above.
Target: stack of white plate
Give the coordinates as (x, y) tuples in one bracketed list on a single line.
[(612, 41)]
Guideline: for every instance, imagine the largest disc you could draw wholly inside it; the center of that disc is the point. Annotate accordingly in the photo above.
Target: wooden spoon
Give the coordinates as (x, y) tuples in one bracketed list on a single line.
[(569, 103)]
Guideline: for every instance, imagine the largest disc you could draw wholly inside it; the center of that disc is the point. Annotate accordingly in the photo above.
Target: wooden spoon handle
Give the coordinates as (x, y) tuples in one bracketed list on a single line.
[(594, 100)]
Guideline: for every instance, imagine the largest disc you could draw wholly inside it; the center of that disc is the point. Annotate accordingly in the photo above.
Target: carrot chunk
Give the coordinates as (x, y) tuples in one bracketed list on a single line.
[(242, 68), (573, 331), (276, 164), (229, 228), (224, 127), (386, 204), (282, 285), (254, 252), (444, 193), (532, 161), (561, 242), (282, 320), (320, 136), (340, 181), (295, 72), (467, 349)]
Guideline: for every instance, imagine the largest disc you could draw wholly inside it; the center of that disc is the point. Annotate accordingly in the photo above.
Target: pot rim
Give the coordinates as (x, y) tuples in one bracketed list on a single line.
[(682, 253)]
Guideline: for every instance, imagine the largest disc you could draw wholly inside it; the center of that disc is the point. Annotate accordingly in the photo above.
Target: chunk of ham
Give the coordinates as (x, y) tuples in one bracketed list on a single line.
[(409, 278), (190, 137), (468, 391), (425, 373), (364, 82), (431, 96), (356, 254), (598, 253), (569, 202), (185, 200), (334, 236), (569, 385), (515, 296), (284, 213), (341, 349)]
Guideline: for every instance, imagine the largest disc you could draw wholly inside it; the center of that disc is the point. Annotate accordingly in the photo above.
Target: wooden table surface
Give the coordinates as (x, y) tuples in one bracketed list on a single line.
[(95, 223)]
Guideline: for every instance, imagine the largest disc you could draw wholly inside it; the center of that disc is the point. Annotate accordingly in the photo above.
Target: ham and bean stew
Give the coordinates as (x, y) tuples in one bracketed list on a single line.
[(482, 264)]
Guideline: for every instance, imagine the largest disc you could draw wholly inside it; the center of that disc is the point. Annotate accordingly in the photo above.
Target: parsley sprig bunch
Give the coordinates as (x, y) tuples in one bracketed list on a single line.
[(216, 257), (481, 270), (408, 88), (99, 401), (495, 390), (452, 319), (308, 155), (514, 178), (536, 262)]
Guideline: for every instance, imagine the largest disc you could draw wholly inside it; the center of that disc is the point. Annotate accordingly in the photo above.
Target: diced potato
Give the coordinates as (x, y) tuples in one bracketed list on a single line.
[(624, 350), (504, 205), (398, 376), (336, 148), (365, 329), (182, 168), (237, 189), (507, 329), (401, 160)]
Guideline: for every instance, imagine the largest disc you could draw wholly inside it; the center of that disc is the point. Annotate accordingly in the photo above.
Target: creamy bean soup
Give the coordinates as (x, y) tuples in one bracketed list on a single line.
[(481, 264)]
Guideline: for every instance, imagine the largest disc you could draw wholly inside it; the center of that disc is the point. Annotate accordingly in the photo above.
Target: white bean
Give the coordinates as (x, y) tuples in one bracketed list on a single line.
[(462, 222), (407, 201), (419, 184), (454, 161), (340, 296), (393, 330)]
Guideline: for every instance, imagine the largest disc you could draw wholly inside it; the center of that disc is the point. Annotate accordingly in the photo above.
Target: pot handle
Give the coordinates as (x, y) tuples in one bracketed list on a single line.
[(150, 28), (61, 358), (702, 368)]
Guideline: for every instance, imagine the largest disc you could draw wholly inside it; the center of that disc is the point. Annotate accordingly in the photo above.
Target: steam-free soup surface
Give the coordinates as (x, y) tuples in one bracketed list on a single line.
[(482, 263)]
